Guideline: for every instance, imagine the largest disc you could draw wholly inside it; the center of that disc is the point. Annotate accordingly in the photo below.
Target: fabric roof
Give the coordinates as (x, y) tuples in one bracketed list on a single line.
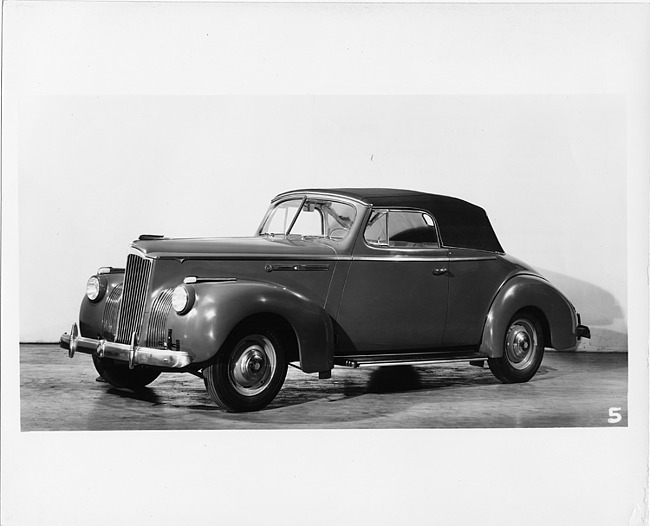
[(461, 224)]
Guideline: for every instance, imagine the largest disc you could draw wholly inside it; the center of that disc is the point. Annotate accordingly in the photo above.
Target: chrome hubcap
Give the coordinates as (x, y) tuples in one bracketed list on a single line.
[(521, 344), (252, 365)]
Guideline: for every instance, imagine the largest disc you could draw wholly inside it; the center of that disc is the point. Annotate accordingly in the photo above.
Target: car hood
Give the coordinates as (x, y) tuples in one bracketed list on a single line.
[(234, 248)]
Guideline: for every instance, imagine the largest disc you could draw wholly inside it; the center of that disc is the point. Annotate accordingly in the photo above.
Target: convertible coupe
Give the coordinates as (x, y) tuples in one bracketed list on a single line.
[(332, 277)]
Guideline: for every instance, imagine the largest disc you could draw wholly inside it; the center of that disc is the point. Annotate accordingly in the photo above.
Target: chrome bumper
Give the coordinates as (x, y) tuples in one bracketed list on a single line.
[(133, 354)]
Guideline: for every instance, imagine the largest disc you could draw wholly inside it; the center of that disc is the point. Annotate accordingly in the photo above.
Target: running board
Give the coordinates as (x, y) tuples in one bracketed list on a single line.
[(380, 360)]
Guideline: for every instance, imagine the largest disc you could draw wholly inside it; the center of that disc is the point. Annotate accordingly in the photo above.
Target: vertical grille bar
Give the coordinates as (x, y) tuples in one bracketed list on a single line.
[(109, 321), (162, 305), (134, 297)]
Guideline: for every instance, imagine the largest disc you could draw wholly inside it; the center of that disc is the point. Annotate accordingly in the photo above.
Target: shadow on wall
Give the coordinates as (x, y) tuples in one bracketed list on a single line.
[(599, 310)]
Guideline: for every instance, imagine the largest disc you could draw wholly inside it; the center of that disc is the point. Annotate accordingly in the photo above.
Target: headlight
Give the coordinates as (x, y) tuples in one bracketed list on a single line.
[(96, 288), (183, 299)]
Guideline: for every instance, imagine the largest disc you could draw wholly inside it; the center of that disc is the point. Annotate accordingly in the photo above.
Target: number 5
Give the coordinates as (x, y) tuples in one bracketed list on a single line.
[(614, 415)]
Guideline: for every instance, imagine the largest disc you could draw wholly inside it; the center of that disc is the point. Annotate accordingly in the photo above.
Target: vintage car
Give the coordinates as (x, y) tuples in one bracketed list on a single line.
[(332, 277)]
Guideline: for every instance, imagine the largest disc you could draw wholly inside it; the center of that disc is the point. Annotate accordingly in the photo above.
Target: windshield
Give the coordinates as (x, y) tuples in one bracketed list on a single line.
[(309, 218)]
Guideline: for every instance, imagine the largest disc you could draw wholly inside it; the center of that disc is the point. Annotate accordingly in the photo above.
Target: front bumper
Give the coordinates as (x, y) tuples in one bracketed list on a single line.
[(133, 354)]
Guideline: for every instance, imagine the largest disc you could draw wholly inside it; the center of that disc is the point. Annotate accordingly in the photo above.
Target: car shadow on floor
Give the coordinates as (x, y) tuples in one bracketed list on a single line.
[(145, 394), (407, 378), (394, 380), (382, 380)]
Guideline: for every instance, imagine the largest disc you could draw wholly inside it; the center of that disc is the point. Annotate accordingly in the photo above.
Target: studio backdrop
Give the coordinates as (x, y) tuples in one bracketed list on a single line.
[(95, 172)]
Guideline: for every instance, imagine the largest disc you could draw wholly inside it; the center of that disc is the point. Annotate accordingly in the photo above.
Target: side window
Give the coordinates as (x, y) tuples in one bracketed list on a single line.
[(338, 218), (376, 233), (401, 229)]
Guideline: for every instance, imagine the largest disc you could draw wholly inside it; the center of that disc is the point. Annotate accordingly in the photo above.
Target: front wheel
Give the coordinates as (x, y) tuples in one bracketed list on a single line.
[(248, 371), (523, 350), (118, 374)]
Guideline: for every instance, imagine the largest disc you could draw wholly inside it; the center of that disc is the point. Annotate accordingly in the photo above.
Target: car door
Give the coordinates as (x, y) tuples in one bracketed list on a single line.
[(395, 295)]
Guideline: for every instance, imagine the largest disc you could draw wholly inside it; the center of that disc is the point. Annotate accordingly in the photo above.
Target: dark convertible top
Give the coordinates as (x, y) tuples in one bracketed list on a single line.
[(461, 224)]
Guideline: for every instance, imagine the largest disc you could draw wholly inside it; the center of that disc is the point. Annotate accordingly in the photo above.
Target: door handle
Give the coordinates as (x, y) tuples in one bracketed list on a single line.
[(440, 271)]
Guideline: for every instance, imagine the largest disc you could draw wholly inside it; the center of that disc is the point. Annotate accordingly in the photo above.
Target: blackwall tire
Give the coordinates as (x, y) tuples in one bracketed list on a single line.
[(248, 371), (118, 374), (523, 350)]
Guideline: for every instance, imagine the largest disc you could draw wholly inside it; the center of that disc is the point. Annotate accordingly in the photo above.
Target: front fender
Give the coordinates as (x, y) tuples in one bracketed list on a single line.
[(527, 291), (98, 319), (220, 306)]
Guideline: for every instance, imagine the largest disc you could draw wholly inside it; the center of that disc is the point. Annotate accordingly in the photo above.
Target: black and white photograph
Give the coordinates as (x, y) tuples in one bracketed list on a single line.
[(325, 262)]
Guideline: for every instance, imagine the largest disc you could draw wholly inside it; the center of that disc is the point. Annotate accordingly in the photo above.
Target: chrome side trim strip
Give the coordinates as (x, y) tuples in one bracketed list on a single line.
[(314, 267), (260, 257), (400, 258), (396, 257), (477, 258), (110, 270), (407, 258), (197, 279)]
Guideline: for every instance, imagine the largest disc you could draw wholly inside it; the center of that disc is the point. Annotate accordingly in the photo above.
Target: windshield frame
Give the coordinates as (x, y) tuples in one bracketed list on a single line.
[(304, 199)]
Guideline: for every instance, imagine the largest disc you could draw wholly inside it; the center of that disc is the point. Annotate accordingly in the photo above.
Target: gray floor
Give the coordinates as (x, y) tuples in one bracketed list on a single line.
[(570, 390)]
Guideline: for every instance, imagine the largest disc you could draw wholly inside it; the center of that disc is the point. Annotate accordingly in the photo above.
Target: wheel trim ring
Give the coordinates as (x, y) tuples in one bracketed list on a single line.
[(522, 344), (252, 365)]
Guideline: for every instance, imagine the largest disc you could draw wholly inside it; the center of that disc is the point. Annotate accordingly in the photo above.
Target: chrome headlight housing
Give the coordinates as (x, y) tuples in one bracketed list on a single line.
[(183, 299), (96, 288)]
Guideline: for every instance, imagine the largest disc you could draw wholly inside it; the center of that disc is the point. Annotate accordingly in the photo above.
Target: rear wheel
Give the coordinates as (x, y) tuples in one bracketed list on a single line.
[(523, 350), (248, 371), (118, 374)]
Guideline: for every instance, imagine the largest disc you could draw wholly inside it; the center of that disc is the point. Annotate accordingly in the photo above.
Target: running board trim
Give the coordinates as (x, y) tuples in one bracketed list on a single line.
[(381, 361)]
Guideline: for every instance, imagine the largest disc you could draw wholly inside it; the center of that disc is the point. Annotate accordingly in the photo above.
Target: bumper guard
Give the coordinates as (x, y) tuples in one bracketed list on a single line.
[(133, 354)]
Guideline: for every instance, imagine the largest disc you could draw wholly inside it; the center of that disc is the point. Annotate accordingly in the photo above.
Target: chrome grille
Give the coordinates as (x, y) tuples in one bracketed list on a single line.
[(156, 331), (134, 297), (109, 321)]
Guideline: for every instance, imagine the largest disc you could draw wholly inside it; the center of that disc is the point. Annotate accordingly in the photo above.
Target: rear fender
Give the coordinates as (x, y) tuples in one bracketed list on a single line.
[(527, 291), (220, 306)]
